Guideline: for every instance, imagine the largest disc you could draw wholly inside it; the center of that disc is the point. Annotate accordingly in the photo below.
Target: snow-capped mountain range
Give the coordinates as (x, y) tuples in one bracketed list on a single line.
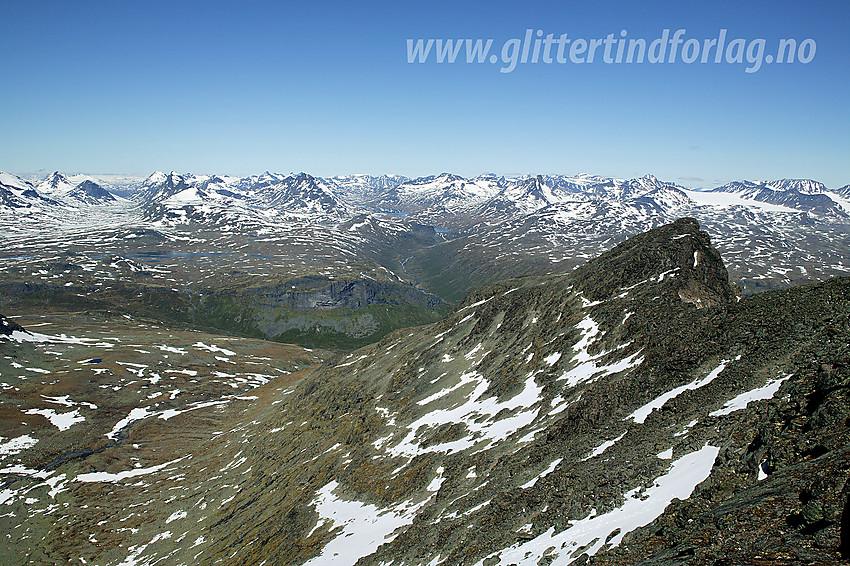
[(55, 190), (447, 195), (15, 193), (76, 189), (486, 227), (174, 196)]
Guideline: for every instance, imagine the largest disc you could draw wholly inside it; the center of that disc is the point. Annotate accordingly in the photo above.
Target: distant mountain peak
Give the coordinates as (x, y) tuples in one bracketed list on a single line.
[(56, 184), (808, 186), (155, 178), (90, 192), (56, 178)]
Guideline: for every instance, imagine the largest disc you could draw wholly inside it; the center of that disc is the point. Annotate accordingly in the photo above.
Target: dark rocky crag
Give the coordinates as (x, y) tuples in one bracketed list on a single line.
[(497, 434), (7, 327)]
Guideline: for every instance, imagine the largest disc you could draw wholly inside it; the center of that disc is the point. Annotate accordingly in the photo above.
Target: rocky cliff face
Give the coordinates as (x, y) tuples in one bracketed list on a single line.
[(317, 292), (633, 411), (314, 311)]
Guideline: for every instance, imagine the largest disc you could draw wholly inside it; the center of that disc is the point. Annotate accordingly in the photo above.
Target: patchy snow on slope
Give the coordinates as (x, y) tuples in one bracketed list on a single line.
[(465, 378), (16, 445), (176, 516), (65, 400), (172, 349), (477, 414), (37, 337), (740, 402), (170, 413), (639, 509), (126, 474), (587, 368), (542, 474), (591, 370), (476, 304), (62, 421), (666, 454), (589, 331), (214, 348), (603, 447), (136, 414), (640, 415), (360, 528)]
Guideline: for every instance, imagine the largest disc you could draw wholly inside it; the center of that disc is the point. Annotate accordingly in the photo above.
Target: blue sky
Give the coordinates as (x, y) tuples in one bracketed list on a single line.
[(325, 87)]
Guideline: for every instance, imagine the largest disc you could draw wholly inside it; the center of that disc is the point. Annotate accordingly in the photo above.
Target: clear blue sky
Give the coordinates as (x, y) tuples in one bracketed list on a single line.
[(325, 87)]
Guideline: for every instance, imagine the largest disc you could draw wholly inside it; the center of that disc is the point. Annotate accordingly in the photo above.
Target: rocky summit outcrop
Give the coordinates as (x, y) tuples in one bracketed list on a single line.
[(634, 411), (678, 250)]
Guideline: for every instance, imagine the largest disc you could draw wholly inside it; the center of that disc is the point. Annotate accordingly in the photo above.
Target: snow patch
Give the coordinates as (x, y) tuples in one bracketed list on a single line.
[(552, 359), (62, 421), (640, 415), (542, 474), (17, 445), (591, 533), (111, 478), (740, 402), (603, 447), (359, 528)]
